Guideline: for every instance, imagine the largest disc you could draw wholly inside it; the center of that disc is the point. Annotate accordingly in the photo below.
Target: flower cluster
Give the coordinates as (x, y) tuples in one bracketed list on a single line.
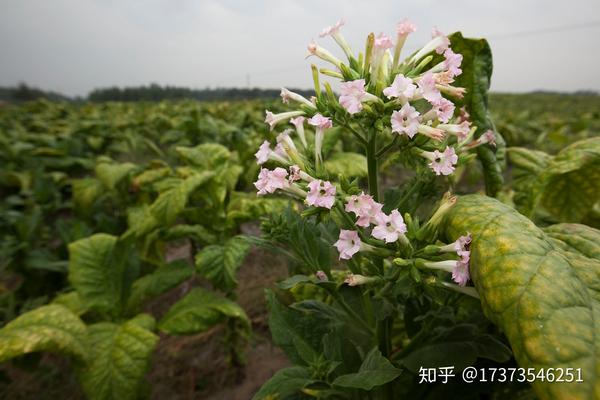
[(412, 105)]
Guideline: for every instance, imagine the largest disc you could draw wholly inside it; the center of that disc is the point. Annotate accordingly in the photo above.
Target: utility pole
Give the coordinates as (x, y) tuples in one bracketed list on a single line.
[(248, 81)]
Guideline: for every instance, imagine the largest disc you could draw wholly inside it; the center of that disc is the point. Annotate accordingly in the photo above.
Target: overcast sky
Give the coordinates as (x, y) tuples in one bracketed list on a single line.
[(73, 46)]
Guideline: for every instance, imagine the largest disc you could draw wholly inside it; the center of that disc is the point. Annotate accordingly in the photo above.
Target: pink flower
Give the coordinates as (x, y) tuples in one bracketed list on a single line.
[(405, 27), (364, 207), (331, 30), (298, 122), (348, 244), (322, 276), (431, 132), (460, 273), (274, 119), (357, 280), (444, 109), (286, 141), (442, 163), (428, 89), (270, 181), (463, 115), (452, 62), (320, 122), (287, 95), (444, 41), (383, 42), (389, 227), (315, 50), (263, 153), (405, 121), (402, 88), (294, 173), (353, 95), (460, 130), (488, 137), (321, 194)]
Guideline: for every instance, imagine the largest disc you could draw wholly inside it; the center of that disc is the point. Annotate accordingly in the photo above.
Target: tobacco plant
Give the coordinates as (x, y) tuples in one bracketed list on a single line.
[(418, 267)]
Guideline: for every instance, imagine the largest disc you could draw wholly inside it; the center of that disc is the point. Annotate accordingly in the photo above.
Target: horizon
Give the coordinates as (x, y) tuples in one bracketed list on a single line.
[(229, 43)]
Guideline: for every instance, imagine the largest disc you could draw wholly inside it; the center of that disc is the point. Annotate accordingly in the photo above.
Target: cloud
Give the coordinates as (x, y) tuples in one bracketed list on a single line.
[(75, 45)]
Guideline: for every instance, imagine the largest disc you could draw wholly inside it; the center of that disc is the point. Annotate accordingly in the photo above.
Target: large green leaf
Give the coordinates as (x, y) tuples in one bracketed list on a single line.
[(112, 174), (206, 155), (291, 328), (49, 328), (376, 370), (571, 182), (96, 272), (566, 185), (544, 297), (243, 207), (169, 204), (85, 193), (199, 311), (158, 282), (219, 263), (347, 164), (284, 383), (476, 77), (119, 360), (528, 165)]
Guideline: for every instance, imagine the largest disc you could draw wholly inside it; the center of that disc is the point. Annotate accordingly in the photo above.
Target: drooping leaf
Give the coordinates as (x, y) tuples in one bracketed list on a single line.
[(206, 155), (119, 360), (219, 263), (96, 272), (158, 282), (284, 383), (528, 165), (195, 232), (566, 185), (169, 204), (347, 164), (544, 298), (85, 192), (199, 311), (72, 301), (243, 207), (571, 185), (51, 328), (290, 327), (476, 77), (112, 174), (376, 370)]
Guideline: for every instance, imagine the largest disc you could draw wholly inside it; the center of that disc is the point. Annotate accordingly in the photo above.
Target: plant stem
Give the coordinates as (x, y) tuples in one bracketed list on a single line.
[(385, 149), (372, 166)]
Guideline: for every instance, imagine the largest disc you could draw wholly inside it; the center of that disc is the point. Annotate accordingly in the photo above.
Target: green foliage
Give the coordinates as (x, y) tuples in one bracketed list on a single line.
[(120, 357), (158, 282), (96, 271), (286, 383), (565, 185), (199, 311), (347, 164), (542, 293), (375, 371), (476, 78), (219, 263), (49, 328)]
